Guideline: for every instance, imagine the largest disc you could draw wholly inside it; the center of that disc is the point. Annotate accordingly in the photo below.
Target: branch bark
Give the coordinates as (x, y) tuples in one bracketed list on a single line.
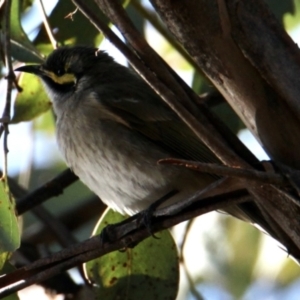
[(214, 33), (129, 232)]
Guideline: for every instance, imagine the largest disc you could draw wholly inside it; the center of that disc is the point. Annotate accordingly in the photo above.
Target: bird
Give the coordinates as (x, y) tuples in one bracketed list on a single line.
[(112, 129)]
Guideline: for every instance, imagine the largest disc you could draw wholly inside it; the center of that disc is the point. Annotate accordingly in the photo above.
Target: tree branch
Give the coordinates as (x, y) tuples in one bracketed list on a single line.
[(50, 189), (262, 177), (200, 125), (129, 232)]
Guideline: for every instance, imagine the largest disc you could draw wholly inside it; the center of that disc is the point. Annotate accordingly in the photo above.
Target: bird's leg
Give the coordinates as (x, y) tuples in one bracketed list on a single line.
[(147, 214)]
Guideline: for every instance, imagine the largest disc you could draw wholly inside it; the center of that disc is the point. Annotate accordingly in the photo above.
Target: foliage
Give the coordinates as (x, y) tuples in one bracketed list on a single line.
[(220, 255)]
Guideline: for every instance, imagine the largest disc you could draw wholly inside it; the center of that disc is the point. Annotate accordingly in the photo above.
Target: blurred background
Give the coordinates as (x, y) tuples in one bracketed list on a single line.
[(222, 257)]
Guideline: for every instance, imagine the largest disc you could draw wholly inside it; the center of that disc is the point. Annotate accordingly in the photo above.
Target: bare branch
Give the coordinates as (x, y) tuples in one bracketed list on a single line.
[(48, 190), (10, 80), (220, 170), (131, 231), (47, 25)]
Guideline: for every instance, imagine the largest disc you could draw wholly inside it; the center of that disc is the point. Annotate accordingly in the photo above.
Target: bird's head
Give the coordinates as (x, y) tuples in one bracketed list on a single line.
[(66, 66)]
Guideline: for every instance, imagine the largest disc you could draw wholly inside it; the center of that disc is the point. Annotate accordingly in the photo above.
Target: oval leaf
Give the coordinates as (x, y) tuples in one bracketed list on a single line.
[(32, 101), (22, 48), (148, 271), (9, 229)]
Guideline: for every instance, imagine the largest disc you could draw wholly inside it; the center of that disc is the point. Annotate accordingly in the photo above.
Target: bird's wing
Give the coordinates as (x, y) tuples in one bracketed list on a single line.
[(145, 112)]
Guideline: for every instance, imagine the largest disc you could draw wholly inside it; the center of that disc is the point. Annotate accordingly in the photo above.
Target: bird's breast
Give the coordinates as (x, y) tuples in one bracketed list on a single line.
[(115, 162)]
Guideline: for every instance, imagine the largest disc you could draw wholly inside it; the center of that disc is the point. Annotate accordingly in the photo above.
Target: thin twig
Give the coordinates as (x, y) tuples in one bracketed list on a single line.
[(220, 170), (216, 188), (50, 189), (193, 290), (10, 80), (71, 14), (47, 25)]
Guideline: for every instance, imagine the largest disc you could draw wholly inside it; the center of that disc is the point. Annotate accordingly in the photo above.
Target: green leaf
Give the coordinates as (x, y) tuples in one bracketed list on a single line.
[(22, 53), (148, 271), (22, 48), (292, 19), (76, 31), (9, 229), (3, 259), (32, 101)]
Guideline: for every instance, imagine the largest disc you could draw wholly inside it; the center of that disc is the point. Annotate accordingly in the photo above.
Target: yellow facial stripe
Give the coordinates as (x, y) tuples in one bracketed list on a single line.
[(64, 79)]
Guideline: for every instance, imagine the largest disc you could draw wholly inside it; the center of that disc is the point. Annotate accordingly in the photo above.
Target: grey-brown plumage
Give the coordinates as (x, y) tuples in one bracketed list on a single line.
[(112, 129)]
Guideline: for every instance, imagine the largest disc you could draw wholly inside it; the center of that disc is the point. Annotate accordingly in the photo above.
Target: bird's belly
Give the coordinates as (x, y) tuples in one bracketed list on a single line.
[(119, 167), (125, 189)]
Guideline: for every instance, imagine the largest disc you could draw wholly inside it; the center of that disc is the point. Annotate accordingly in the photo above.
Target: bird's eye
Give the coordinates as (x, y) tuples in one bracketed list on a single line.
[(60, 72)]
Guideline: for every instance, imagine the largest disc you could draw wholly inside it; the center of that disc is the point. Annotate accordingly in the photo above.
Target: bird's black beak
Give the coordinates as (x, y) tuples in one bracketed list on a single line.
[(33, 69)]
